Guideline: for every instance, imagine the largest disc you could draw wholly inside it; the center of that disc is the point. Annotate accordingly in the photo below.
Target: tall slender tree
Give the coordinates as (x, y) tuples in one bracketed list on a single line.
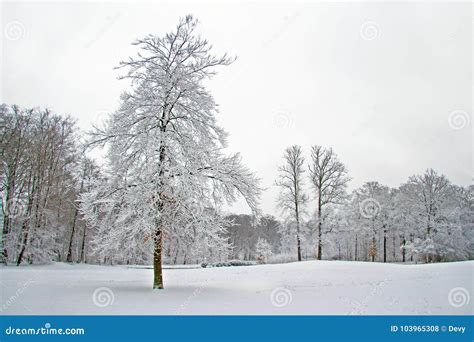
[(292, 199), (329, 178)]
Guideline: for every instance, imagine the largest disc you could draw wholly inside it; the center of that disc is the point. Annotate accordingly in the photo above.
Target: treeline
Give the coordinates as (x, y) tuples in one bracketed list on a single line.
[(426, 219), (45, 175)]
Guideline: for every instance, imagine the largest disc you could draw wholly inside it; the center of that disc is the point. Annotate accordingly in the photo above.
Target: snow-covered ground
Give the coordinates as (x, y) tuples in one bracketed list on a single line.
[(312, 287)]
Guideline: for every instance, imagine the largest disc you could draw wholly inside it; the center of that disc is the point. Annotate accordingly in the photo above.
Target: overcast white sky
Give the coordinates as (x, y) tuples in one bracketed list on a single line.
[(378, 82)]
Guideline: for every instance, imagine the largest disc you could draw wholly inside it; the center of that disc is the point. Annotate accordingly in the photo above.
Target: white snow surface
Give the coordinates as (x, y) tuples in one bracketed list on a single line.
[(304, 288)]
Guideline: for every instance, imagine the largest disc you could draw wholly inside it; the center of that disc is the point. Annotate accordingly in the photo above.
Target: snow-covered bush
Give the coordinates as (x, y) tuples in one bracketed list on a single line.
[(281, 258), (229, 263), (263, 249)]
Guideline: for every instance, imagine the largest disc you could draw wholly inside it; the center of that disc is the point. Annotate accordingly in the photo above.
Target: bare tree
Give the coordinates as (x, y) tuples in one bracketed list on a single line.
[(329, 178), (292, 198)]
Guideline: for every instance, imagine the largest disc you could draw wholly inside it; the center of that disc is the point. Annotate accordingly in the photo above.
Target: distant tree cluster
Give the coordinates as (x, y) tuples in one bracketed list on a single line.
[(425, 219), (250, 238)]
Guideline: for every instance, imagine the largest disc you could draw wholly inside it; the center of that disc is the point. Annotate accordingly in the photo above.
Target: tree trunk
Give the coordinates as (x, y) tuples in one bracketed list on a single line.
[(355, 252), (23, 249), (25, 231), (320, 247), (428, 258), (384, 246), (394, 245), (175, 260), (158, 240), (298, 241), (373, 249), (83, 254), (10, 191), (157, 267), (403, 250), (6, 223), (185, 258), (71, 239), (76, 213)]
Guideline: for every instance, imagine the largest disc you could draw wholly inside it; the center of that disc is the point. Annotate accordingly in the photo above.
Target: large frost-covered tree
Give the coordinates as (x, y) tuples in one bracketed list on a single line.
[(167, 169), (435, 204)]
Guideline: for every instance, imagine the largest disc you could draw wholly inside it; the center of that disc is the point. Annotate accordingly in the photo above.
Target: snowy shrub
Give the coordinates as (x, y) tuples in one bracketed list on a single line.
[(263, 249), (281, 258), (230, 263)]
